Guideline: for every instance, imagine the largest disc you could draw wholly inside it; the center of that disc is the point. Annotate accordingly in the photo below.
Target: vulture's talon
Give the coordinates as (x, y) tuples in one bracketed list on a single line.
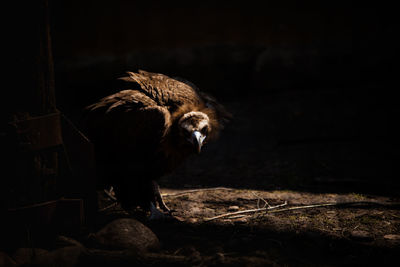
[(156, 214), (158, 198), (164, 207)]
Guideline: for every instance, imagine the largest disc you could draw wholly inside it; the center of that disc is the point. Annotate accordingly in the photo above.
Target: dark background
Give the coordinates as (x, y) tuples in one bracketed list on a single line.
[(308, 83), (311, 88)]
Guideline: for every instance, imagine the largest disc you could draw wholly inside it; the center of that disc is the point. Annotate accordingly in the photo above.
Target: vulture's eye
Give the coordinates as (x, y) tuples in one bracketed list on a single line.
[(204, 130)]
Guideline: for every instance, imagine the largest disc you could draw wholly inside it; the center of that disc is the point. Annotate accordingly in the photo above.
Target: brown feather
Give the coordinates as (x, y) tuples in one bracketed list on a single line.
[(164, 90), (136, 133)]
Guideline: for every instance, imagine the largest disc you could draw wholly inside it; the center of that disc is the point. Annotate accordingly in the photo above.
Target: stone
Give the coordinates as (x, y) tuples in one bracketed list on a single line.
[(361, 236), (6, 261), (24, 255), (62, 257), (64, 241), (126, 233), (392, 237), (240, 220), (233, 208), (193, 220)]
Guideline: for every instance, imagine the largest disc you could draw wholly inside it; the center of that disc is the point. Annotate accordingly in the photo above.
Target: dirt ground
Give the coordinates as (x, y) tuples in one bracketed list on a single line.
[(298, 149), (356, 230), (360, 234)]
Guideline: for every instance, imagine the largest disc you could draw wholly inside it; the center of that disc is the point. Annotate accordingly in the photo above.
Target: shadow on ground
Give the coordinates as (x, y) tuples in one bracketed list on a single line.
[(356, 230), (254, 246)]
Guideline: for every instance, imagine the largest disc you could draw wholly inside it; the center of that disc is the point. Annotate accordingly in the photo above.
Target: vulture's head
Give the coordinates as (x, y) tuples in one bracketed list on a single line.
[(194, 128)]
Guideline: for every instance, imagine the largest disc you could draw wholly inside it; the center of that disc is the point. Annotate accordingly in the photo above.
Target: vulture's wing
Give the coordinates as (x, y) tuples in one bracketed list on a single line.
[(164, 90), (128, 118), (124, 100)]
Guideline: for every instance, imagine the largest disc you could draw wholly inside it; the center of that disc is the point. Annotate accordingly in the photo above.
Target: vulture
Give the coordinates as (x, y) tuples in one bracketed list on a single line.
[(145, 132)]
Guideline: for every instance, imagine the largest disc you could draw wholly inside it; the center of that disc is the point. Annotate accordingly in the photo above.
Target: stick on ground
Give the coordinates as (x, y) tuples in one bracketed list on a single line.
[(273, 209), (195, 190), (244, 212)]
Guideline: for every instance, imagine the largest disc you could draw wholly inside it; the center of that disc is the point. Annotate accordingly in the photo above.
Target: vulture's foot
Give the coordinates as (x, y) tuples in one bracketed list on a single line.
[(162, 206), (156, 214), (159, 198)]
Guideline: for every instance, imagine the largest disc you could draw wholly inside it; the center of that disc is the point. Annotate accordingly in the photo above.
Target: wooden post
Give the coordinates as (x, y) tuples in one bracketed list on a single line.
[(31, 131)]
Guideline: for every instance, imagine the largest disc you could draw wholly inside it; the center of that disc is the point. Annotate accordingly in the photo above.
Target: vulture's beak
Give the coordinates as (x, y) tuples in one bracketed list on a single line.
[(197, 140)]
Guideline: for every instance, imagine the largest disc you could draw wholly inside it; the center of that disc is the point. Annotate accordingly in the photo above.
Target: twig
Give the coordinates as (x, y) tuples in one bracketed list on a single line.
[(109, 206), (306, 207), (343, 204), (244, 212), (269, 209), (195, 190), (258, 201), (395, 216)]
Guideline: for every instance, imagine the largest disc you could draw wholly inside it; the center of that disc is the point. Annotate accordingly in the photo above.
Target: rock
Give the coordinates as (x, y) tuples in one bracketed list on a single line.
[(192, 220), (128, 257), (6, 261), (64, 241), (179, 219), (24, 255), (240, 220), (62, 257), (126, 234), (392, 237), (361, 236), (191, 254), (233, 208)]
